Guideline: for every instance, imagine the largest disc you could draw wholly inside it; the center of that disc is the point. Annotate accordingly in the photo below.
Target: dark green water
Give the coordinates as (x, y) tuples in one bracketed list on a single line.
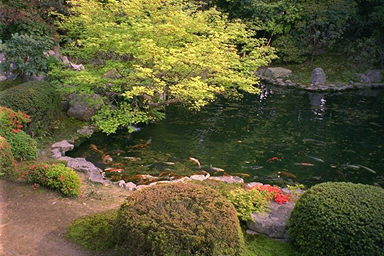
[(339, 134)]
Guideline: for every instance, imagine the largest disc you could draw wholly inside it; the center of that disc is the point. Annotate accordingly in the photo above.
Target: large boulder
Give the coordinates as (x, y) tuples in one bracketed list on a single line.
[(83, 107), (372, 76), (82, 165), (318, 77), (273, 224), (277, 72)]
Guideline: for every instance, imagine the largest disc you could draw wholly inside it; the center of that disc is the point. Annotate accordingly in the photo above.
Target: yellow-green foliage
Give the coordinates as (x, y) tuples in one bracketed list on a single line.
[(7, 162), (339, 218), (55, 176), (248, 201), (160, 52), (178, 219)]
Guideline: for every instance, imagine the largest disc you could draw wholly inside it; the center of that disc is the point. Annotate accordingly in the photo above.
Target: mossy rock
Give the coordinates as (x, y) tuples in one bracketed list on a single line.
[(178, 219), (339, 218), (39, 100), (7, 162)]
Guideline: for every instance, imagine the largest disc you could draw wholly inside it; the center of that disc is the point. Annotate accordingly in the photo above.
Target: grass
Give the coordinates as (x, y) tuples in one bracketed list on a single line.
[(264, 246), (334, 64)]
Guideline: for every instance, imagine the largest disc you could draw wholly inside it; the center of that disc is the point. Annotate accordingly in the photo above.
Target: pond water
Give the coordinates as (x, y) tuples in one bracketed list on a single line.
[(278, 137)]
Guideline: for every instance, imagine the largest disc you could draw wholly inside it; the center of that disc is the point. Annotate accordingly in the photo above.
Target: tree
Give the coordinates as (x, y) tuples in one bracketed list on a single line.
[(143, 55)]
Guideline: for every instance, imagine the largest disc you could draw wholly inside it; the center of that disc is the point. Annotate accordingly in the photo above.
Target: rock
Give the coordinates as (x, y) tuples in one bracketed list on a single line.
[(374, 75), (130, 186), (63, 146), (113, 74), (56, 153), (86, 131), (82, 165), (2, 77), (200, 177), (227, 179), (277, 72), (83, 107), (318, 77), (121, 183), (273, 224), (364, 79), (96, 176), (65, 60), (76, 66)]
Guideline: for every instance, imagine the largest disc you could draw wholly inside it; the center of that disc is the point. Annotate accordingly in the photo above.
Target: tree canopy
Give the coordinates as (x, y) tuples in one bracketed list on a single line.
[(143, 55)]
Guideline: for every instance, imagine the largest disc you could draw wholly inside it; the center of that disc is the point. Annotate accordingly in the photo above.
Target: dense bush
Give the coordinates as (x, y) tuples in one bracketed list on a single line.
[(7, 162), (339, 219), (178, 219), (55, 176), (22, 145), (39, 100)]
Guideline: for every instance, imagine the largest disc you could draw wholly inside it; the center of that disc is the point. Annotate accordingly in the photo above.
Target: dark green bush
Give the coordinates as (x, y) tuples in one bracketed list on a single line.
[(7, 162), (338, 218), (93, 232), (55, 176), (178, 219), (39, 100), (22, 145)]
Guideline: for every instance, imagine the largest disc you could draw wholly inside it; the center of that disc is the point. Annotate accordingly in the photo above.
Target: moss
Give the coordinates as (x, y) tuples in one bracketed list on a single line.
[(338, 218), (265, 246), (178, 219), (93, 232)]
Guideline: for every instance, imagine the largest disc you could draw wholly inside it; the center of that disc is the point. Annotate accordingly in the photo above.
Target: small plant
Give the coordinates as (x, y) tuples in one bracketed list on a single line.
[(272, 192), (11, 121), (247, 202), (7, 162), (55, 176), (339, 218)]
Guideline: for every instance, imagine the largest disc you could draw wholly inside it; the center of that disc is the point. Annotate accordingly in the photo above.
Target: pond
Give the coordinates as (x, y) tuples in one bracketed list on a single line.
[(281, 136)]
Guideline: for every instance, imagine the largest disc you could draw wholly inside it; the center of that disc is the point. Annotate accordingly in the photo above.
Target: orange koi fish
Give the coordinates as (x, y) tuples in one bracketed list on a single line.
[(194, 160), (113, 170), (273, 159), (287, 174)]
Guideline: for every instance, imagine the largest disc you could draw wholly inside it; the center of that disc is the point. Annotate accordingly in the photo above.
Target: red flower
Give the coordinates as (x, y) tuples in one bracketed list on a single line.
[(32, 167)]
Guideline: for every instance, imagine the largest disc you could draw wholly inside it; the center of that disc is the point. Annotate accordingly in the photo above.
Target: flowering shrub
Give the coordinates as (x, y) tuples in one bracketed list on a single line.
[(22, 145), (7, 162), (55, 176), (248, 201), (11, 121), (273, 192)]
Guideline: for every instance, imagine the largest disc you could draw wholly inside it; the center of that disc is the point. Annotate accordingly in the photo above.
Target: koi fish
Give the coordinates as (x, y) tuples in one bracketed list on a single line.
[(216, 169), (352, 166), (113, 170), (194, 160), (273, 159), (316, 142), (367, 168), (131, 158), (317, 159), (169, 163), (341, 175), (304, 164), (287, 174), (94, 148), (106, 159), (243, 175), (143, 144)]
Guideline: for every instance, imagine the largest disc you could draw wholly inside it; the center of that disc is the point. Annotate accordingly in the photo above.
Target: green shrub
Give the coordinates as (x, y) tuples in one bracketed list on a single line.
[(338, 218), (55, 176), (248, 201), (23, 146), (178, 219), (39, 100), (93, 232), (7, 162), (25, 52)]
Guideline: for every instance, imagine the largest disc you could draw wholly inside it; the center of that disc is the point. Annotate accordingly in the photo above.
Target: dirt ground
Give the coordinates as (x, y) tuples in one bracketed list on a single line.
[(33, 222)]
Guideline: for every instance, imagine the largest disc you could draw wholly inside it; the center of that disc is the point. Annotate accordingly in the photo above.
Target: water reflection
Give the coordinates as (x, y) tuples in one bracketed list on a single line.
[(317, 101)]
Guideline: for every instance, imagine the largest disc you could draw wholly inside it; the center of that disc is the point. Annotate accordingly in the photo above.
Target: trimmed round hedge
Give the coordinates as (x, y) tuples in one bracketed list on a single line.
[(7, 162), (39, 100), (339, 218), (22, 145), (178, 219)]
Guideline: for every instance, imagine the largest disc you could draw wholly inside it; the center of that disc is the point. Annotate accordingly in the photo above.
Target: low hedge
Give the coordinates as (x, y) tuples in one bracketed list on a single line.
[(338, 218), (55, 176), (7, 162), (39, 100), (178, 219)]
